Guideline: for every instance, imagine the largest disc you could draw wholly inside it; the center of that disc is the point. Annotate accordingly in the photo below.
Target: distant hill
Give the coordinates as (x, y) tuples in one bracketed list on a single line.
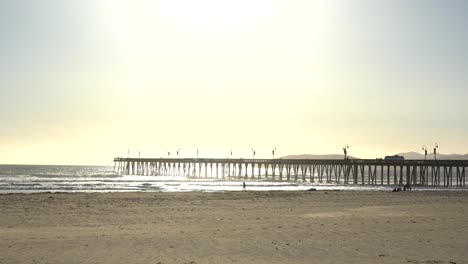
[(311, 156), (430, 156), (408, 156)]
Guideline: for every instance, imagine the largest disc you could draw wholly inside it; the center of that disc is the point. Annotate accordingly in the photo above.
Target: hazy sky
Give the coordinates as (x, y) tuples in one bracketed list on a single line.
[(84, 81)]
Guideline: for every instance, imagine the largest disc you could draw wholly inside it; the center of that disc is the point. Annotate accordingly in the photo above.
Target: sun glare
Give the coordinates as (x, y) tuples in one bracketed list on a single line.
[(211, 16)]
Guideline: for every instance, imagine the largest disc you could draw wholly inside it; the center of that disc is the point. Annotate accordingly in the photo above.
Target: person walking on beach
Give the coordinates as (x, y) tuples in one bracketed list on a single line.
[(243, 187)]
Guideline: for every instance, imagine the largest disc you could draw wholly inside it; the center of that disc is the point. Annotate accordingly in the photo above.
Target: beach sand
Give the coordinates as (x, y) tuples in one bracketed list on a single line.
[(235, 227)]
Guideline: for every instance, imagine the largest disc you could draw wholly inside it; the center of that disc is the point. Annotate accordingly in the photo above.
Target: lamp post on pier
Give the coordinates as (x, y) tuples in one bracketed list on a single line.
[(425, 152), (345, 151), (253, 152), (436, 146), (273, 153)]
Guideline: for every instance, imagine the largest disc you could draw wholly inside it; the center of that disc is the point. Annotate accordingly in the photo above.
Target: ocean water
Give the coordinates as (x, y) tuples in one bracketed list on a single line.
[(34, 178)]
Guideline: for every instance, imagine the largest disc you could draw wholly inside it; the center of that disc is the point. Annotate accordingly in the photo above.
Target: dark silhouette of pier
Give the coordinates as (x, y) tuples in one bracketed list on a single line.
[(447, 173)]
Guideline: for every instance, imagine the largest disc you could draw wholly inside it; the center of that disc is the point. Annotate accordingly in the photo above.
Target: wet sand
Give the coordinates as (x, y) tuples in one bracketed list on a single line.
[(235, 227)]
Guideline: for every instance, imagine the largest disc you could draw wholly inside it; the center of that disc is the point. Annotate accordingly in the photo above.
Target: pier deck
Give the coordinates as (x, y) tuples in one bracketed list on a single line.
[(450, 173)]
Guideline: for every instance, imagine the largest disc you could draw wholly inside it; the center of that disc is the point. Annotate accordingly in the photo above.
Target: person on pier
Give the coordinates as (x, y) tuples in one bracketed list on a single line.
[(243, 187)]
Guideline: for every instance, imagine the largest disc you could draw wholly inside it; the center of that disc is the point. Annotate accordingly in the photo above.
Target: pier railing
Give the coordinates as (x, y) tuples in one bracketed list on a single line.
[(350, 171)]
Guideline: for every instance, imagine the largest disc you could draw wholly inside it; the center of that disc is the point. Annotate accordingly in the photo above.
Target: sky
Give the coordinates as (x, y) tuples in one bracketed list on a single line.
[(82, 82)]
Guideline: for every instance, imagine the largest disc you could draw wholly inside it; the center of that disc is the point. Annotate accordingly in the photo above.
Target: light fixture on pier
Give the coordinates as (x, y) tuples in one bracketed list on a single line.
[(345, 151), (425, 152), (273, 153), (253, 152), (436, 146)]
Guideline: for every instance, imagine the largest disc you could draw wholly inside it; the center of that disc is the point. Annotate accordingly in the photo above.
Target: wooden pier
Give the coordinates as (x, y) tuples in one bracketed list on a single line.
[(449, 173)]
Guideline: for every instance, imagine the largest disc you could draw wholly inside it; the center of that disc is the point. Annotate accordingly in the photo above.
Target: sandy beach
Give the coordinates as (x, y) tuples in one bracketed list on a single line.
[(235, 227)]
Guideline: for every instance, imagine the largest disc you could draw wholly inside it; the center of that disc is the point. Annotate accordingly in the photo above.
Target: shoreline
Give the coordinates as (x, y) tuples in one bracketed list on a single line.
[(235, 227), (318, 188)]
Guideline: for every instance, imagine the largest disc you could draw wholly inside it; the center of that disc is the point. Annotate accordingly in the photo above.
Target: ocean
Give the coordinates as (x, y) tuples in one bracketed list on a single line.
[(39, 178)]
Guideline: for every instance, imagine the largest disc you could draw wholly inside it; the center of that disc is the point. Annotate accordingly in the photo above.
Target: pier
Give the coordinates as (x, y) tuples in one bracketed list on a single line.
[(449, 173)]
